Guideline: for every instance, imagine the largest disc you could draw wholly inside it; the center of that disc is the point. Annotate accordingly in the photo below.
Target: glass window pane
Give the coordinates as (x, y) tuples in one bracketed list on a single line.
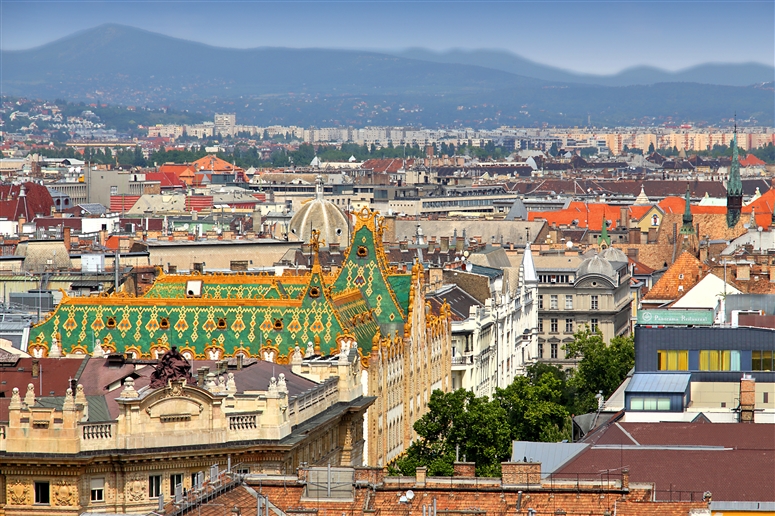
[(649, 404), (636, 403), (683, 360), (756, 360), (663, 404), (662, 360), (767, 357), (704, 360), (726, 360), (734, 362), (672, 360), (714, 360)]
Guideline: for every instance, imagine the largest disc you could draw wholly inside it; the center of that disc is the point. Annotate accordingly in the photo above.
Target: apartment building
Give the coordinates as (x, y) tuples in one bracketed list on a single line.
[(576, 290)]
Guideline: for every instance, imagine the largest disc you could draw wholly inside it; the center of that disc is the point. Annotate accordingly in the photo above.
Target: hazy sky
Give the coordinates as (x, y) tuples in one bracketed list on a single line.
[(584, 36)]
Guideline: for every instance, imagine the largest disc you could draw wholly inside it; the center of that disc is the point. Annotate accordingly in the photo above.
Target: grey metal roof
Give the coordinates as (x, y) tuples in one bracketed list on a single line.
[(483, 270), (659, 382), (98, 407), (93, 207), (552, 456)]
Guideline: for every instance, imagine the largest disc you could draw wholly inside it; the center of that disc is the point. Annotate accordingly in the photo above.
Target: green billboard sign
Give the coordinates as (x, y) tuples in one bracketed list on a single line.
[(676, 317)]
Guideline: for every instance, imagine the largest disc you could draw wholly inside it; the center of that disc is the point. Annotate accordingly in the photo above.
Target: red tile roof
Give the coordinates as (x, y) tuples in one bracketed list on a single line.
[(739, 469), (387, 166), (750, 161), (36, 201), (166, 179)]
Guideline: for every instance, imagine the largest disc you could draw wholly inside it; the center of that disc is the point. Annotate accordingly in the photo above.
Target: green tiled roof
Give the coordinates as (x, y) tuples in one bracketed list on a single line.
[(242, 310)]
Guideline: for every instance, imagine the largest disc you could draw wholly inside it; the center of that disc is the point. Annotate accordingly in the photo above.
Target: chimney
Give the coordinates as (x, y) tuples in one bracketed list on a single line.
[(464, 469), (459, 243), (747, 399), (445, 244), (624, 212), (421, 473), (22, 221), (625, 479), (103, 236), (634, 236), (66, 236), (520, 473), (389, 229)]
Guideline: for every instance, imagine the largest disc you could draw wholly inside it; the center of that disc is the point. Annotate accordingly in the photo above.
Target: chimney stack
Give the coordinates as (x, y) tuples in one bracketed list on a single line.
[(445, 244), (747, 399)]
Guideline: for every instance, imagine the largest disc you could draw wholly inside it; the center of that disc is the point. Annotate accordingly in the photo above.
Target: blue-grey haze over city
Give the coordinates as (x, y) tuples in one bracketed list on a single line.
[(595, 37)]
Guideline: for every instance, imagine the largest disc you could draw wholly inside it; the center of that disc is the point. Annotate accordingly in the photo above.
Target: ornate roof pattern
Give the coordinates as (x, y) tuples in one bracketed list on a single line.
[(216, 315)]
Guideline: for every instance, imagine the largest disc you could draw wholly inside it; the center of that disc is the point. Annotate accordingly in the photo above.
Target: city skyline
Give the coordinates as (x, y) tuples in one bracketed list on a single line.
[(577, 36)]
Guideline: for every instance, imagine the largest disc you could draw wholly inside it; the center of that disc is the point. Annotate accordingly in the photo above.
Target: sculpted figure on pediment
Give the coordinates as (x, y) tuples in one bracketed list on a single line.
[(172, 366)]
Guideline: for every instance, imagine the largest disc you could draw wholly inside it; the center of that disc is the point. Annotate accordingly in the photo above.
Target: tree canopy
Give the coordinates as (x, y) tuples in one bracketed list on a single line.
[(535, 407)]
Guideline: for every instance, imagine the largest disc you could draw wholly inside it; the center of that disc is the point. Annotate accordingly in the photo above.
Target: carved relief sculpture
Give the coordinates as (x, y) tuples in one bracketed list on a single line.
[(19, 493), (135, 490), (64, 494)]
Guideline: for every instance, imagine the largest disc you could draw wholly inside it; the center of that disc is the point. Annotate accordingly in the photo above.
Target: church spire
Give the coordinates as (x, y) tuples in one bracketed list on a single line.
[(734, 186), (688, 221), (604, 242)]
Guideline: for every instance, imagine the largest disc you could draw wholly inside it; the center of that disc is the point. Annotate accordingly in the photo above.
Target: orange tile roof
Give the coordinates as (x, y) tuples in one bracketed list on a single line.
[(764, 204), (588, 215), (750, 161), (678, 279), (213, 163), (637, 212)]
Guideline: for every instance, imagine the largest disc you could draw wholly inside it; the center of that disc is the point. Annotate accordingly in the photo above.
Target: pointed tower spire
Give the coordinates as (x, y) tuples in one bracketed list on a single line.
[(688, 221), (734, 186), (604, 241)]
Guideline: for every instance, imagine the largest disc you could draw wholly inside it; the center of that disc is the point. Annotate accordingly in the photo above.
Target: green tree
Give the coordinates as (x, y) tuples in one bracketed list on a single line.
[(459, 422), (534, 405), (601, 368)]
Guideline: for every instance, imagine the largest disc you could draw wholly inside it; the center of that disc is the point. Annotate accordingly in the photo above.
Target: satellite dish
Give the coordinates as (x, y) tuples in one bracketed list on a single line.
[(409, 495), (569, 244)]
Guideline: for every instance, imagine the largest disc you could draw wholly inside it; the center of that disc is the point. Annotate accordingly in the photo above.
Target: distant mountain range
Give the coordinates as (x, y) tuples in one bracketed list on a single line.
[(725, 74), (128, 66)]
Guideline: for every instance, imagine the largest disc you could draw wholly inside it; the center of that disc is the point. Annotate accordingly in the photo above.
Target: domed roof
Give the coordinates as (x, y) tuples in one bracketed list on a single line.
[(596, 265), (612, 254), (321, 215)]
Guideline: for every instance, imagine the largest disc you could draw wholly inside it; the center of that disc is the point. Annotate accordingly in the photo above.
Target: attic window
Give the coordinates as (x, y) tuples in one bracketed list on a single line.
[(194, 288), (221, 323), (314, 292), (164, 323), (111, 322), (278, 324), (362, 252)]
